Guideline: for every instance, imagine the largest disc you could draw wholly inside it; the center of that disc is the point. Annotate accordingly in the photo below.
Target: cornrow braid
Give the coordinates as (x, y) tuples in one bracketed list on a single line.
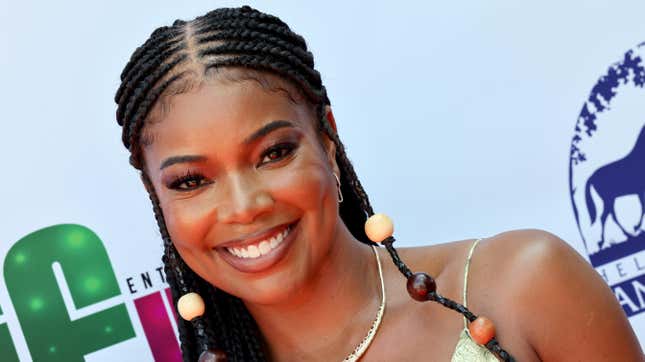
[(188, 51), (275, 51), (250, 35), (145, 62), (156, 47), (277, 29), (269, 65)]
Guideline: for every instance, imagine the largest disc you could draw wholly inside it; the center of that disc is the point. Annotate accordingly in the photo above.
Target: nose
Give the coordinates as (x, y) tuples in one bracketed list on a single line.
[(244, 200)]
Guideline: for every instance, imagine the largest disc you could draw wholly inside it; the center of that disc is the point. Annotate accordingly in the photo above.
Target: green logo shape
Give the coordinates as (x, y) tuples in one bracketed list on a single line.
[(50, 333), (7, 349)]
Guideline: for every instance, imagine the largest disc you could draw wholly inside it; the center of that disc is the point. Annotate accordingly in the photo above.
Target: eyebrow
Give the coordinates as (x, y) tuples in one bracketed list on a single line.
[(261, 132), (266, 129), (180, 159)]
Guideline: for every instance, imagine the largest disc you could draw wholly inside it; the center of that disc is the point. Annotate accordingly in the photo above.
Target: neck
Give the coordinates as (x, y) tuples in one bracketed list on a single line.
[(333, 313)]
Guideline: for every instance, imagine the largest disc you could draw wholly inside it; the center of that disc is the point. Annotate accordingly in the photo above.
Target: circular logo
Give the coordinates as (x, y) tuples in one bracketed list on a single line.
[(607, 178)]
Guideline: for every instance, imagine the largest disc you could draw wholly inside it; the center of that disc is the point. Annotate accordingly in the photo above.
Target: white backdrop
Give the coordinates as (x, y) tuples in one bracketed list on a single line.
[(458, 116)]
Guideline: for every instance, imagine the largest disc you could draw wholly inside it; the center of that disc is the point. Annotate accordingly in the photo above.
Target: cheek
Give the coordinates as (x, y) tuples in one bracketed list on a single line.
[(188, 221), (308, 185), (312, 190)]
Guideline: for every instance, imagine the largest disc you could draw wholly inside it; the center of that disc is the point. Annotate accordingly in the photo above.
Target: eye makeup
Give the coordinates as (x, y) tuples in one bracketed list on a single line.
[(188, 181), (192, 178)]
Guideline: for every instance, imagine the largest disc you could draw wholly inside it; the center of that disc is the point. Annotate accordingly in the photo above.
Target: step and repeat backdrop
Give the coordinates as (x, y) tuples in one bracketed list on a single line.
[(463, 120)]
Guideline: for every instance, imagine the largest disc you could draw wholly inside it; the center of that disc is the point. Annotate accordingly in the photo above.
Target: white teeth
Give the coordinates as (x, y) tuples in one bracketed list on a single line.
[(254, 252), (263, 248)]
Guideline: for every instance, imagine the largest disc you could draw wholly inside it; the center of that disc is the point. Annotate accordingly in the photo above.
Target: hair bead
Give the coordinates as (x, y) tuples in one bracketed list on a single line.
[(379, 227), (482, 330), (421, 286), (190, 306), (247, 39)]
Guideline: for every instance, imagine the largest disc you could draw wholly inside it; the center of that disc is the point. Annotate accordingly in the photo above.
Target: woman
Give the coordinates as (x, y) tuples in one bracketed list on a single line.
[(264, 220)]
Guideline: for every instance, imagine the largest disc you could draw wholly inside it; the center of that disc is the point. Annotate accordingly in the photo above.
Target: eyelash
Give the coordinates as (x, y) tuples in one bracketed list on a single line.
[(289, 147), (178, 182), (284, 150)]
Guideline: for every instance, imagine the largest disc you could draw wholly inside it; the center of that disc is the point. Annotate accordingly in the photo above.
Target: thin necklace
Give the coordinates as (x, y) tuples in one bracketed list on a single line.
[(362, 347)]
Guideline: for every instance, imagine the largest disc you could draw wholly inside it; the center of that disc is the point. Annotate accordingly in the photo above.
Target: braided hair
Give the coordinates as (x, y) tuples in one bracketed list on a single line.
[(173, 58)]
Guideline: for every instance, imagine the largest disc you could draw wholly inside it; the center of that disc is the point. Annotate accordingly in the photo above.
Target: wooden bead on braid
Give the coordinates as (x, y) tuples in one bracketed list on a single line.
[(482, 330), (190, 306), (379, 227), (421, 287), (248, 39)]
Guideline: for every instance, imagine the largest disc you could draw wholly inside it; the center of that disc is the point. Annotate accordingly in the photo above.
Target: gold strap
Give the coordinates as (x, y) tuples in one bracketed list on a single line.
[(470, 255)]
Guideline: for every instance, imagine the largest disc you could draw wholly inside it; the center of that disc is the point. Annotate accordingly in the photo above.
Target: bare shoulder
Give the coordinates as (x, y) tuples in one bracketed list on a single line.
[(542, 291), (502, 252), (545, 299), (524, 252)]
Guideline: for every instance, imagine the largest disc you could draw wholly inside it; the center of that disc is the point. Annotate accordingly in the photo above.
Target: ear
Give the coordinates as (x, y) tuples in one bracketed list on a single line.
[(329, 145), (330, 118)]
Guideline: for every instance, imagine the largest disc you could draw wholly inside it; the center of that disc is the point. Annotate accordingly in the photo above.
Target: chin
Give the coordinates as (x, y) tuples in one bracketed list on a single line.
[(273, 290)]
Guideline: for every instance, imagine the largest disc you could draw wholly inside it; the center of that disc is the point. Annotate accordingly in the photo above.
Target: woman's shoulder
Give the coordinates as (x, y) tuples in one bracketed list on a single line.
[(541, 294), (512, 266), (507, 250)]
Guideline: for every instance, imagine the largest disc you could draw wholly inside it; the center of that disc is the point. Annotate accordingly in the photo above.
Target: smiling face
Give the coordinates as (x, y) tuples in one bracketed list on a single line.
[(246, 187)]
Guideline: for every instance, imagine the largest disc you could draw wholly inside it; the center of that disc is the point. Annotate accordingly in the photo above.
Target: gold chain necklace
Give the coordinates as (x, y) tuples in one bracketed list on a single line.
[(362, 347)]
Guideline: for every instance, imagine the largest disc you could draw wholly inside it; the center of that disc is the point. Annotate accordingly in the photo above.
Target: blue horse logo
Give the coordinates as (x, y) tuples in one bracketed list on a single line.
[(623, 177), (607, 178), (607, 163)]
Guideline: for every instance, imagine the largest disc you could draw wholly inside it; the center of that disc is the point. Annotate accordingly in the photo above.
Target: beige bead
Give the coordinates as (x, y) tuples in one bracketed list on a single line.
[(379, 227), (190, 306)]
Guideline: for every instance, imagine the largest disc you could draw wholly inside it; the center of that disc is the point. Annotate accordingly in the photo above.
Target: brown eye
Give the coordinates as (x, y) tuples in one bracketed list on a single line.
[(277, 152), (187, 182)]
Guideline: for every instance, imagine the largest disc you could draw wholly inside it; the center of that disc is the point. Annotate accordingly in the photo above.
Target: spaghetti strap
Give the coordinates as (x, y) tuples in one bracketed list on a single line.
[(466, 349), (464, 297)]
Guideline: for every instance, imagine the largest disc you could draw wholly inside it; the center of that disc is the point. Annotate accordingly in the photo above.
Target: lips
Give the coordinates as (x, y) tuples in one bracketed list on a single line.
[(260, 251), (265, 246)]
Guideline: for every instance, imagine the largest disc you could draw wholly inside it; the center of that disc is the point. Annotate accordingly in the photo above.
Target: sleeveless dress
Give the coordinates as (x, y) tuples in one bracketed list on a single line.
[(468, 350)]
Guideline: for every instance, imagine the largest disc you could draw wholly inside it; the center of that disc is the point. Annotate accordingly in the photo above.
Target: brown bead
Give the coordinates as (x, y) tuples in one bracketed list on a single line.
[(212, 355), (419, 285), (482, 330)]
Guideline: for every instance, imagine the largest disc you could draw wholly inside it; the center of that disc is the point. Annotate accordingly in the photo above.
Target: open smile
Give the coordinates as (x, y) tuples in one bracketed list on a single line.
[(259, 253)]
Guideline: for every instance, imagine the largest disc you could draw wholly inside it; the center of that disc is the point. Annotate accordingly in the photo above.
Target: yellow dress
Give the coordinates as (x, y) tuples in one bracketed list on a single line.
[(467, 350)]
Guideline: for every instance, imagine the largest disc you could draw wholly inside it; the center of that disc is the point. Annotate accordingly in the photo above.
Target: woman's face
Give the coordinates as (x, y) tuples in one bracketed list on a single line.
[(245, 186)]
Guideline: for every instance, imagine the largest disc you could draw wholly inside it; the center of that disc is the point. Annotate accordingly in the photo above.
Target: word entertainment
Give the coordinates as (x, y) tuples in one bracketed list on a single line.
[(145, 280)]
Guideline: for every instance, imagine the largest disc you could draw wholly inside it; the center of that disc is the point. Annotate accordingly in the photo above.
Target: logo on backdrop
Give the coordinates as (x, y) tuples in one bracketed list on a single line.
[(58, 279), (607, 178)]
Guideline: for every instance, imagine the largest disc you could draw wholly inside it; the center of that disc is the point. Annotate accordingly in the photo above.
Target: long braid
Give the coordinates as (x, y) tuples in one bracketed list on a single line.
[(359, 192), (241, 38), (174, 274)]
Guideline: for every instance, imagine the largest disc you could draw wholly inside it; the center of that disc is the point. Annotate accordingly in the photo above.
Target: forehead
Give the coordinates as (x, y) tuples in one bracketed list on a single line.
[(222, 112)]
